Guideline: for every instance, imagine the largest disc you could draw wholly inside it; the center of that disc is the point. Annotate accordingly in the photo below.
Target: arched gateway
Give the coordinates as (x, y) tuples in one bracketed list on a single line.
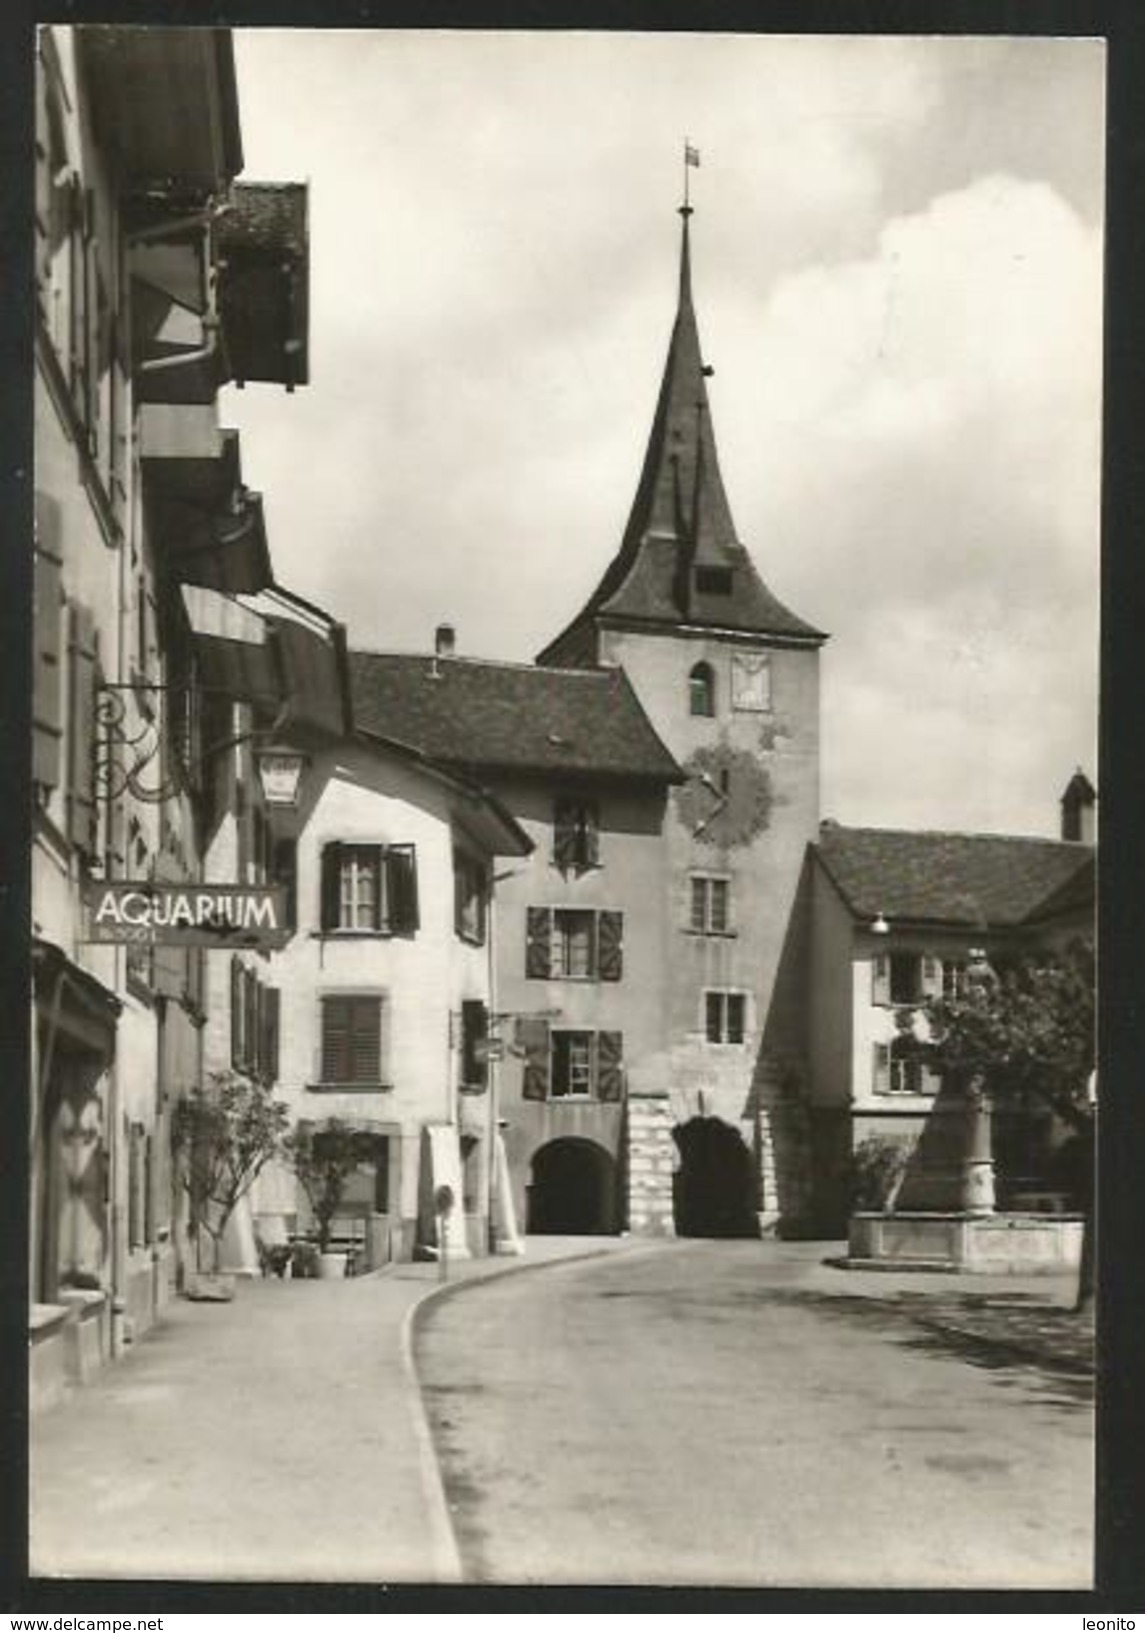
[(714, 1189), (572, 1190)]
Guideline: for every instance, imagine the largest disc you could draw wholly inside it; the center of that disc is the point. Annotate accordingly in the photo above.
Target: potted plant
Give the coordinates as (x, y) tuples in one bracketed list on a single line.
[(223, 1136), (323, 1158)]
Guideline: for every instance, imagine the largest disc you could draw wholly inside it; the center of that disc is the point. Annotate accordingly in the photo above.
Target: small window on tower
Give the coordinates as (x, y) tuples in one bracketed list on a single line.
[(702, 690), (714, 580)]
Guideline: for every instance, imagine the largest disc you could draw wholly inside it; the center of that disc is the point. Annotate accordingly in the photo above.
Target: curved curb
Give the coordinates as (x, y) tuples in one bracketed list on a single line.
[(445, 1554)]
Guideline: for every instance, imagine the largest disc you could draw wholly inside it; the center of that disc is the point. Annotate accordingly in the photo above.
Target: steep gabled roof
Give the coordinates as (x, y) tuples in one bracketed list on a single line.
[(481, 715), (681, 540), (983, 881)]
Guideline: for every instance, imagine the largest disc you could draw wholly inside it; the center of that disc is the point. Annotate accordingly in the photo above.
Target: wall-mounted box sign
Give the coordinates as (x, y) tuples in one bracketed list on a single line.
[(186, 915)]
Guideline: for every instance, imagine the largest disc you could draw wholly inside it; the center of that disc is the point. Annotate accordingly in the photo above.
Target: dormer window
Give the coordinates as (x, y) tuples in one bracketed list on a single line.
[(702, 690), (714, 580)]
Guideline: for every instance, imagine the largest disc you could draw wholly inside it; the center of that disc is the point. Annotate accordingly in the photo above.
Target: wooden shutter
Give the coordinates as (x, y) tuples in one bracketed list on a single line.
[(881, 979), (335, 1040), (564, 834), (82, 300), (881, 1074), (533, 1040), (285, 872), (610, 1065), (43, 197), (610, 946), (931, 976), (47, 713), (538, 943), (400, 863), (237, 1013), (271, 1021), (365, 1040), (331, 912), (82, 812), (590, 836), (474, 1030)]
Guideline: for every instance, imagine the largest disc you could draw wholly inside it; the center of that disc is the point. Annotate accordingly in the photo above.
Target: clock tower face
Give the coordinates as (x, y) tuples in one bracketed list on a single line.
[(727, 798)]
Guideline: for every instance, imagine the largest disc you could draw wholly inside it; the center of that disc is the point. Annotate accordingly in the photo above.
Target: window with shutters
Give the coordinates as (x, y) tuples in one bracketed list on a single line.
[(352, 1041), (369, 889), (899, 1068), (579, 1065), (725, 1016), (710, 913), (255, 1024), (469, 897), (574, 944), (576, 835), (905, 978)]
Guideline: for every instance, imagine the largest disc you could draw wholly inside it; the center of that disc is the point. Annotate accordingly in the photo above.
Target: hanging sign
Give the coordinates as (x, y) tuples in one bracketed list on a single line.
[(186, 915)]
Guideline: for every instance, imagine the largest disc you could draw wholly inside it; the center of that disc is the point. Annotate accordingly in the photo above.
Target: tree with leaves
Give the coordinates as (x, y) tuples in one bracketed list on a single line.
[(1026, 1030), (225, 1135), (323, 1158)]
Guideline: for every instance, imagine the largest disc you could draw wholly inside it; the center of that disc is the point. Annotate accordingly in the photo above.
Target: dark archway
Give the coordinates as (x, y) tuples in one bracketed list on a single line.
[(573, 1190), (714, 1188)]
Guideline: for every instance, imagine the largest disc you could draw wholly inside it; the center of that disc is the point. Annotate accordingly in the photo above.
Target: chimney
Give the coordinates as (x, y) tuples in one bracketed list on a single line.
[(444, 641), (1079, 810)]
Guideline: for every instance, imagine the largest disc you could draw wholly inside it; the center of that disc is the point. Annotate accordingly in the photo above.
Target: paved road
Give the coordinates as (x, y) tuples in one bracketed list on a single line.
[(731, 1413)]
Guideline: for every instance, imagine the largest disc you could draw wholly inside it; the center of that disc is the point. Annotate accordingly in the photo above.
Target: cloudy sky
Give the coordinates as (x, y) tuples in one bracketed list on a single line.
[(897, 269)]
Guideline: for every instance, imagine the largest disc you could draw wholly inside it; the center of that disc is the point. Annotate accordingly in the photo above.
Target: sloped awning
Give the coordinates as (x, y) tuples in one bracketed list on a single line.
[(72, 1000), (203, 520), (272, 661)]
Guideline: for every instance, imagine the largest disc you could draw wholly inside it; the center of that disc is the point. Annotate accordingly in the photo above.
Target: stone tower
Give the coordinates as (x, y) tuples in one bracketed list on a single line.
[(730, 679)]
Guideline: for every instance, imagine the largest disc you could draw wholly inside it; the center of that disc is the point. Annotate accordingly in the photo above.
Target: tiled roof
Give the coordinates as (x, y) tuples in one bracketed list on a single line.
[(980, 880), (1077, 895), (480, 715)]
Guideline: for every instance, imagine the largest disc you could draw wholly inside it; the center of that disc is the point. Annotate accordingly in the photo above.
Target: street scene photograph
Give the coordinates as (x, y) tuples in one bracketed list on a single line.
[(564, 808)]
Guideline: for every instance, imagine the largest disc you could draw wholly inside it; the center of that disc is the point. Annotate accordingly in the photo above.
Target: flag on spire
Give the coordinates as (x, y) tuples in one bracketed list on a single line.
[(691, 155)]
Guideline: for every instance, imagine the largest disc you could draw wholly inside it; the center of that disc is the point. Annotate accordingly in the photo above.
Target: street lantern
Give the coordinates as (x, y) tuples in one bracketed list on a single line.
[(280, 774)]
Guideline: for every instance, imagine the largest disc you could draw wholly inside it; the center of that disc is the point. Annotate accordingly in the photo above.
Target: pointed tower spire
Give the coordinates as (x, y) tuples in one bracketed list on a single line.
[(681, 560)]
